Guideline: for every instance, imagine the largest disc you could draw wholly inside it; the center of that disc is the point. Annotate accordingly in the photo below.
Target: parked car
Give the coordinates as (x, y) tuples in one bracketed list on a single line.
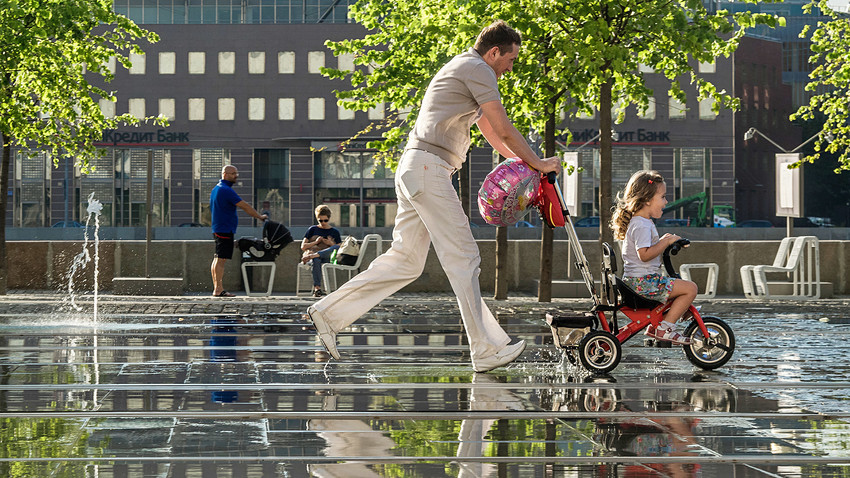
[(191, 224), (755, 223), (589, 221), (68, 224)]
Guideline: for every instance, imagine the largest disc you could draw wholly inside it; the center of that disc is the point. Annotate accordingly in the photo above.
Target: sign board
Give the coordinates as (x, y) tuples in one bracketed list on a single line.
[(572, 183), (789, 186)]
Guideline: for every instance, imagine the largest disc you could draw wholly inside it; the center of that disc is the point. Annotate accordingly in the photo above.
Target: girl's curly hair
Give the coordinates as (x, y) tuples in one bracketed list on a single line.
[(638, 192)]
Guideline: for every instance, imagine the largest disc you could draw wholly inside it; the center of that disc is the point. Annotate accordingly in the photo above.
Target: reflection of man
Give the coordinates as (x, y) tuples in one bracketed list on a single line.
[(348, 438), (223, 345), (223, 204), (473, 431), (464, 92)]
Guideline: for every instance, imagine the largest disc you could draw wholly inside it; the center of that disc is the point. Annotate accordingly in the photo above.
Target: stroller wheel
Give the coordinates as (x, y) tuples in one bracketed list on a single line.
[(599, 352)]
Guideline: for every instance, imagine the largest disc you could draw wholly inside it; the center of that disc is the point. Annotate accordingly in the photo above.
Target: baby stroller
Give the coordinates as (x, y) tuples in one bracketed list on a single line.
[(596, 336), (275, 237)]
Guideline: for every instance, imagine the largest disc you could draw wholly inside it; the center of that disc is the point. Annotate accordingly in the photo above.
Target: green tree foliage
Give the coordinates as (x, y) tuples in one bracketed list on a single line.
[(831, 79), (47, 49), (576, 56)]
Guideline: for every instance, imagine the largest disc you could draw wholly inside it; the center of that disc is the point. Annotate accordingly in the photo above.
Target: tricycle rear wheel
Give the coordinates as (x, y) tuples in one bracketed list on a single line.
[(599, 351)]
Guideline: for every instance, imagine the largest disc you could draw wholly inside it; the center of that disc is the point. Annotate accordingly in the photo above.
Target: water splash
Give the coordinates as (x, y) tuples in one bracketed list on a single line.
[(80, 260)]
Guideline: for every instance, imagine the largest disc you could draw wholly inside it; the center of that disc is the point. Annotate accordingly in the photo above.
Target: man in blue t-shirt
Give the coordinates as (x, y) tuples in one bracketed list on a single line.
[(223, 204)]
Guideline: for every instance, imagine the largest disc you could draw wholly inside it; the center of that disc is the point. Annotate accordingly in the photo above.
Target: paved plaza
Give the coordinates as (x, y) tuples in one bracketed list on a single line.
[(196, 386)]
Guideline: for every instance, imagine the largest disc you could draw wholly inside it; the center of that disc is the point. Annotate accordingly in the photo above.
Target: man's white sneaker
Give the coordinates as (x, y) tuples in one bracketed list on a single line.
[(323, 330), (502, 357)]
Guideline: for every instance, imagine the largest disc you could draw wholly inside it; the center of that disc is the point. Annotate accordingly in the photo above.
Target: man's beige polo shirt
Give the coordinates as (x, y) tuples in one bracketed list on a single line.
[(452, 104)]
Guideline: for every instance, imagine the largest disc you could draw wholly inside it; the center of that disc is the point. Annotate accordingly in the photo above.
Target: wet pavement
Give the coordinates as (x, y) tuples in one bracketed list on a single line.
[(200, 386)]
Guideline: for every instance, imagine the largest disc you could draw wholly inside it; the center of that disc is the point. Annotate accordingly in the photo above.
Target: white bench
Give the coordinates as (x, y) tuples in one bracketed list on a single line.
[(798, 258)]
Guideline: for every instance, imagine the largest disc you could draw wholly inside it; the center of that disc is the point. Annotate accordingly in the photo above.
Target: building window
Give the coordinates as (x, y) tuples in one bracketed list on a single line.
[(256, 62), (316, 109), (196, 109), (226, 109), (649, 114), (137, 107), (137, 66), (166, 108), (107, 107), (345, 62), (167, 63), (286, 62), (197, 62), (226, 62), (315, 61), (708, 67), (271, 183), (110, 64), (286, 109), (377, 112), (256, 109), (705, 111), (677, 109), (645, 68), (343, 113)]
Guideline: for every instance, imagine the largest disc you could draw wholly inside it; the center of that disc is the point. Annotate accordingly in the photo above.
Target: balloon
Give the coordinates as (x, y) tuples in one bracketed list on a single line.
[(508, 192)]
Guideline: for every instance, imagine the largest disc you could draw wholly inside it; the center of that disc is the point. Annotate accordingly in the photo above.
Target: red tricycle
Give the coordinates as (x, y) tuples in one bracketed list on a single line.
[(596, 336)]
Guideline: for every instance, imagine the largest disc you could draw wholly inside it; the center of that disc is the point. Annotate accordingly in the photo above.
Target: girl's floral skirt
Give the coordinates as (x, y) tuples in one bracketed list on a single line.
[(652, 286)]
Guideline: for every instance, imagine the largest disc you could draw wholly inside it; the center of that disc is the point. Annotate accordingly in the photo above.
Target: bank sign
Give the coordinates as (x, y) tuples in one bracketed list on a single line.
[(160, 137), (639, 136)]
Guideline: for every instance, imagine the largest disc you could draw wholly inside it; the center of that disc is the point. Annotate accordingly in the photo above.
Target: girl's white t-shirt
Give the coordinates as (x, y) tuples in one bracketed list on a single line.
[(640, 233)]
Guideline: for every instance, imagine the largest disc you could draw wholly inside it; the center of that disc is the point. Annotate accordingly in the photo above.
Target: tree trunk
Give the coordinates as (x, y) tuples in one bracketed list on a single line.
[(4, 196), (501, 263), (544, 292), (605, 164)]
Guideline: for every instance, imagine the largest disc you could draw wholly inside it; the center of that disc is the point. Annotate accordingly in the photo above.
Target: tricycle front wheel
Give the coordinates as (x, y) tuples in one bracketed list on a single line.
[(713, 351)]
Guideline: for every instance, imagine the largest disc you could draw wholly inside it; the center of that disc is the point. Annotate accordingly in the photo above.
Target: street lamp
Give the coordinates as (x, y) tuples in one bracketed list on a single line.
[(786, 196)]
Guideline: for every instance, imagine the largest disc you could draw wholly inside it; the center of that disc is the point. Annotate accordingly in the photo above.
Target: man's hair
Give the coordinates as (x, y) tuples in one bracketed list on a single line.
[(322, 210), (497, 34)]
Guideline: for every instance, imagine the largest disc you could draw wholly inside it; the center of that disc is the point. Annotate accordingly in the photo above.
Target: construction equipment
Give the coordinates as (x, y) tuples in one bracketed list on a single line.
[(716, 216)]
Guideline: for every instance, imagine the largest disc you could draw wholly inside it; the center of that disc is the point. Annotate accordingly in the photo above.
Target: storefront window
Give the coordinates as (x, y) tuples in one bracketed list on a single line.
[(206, 172), (359, 192), (271, 183), (119, 181)]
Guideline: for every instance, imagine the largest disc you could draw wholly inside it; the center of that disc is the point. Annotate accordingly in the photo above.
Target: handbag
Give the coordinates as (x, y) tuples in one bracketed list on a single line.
[(348, 251)]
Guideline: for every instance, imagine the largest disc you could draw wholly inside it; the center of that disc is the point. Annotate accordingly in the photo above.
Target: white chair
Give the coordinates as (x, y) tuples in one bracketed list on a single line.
[(711, 280), (255, 265), (329, 270), (799, 259), (301, 270)]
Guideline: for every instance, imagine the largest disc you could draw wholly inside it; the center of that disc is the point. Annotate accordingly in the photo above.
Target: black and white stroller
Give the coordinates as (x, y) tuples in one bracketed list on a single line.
[(275, 237)]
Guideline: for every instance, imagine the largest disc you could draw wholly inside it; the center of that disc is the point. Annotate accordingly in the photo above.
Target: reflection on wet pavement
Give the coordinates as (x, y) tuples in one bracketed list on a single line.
[(254, 395)]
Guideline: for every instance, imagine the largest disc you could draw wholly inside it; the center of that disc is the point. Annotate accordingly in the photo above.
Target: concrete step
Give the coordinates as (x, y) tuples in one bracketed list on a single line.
[(785, 288), (568, 289)]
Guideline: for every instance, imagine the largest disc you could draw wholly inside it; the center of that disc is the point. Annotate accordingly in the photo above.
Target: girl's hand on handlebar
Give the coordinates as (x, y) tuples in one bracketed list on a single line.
[(670, 238)]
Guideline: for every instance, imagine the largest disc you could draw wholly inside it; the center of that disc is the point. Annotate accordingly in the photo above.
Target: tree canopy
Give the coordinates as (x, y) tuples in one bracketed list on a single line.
[(570, 48), (46, 50), (830, 79)]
